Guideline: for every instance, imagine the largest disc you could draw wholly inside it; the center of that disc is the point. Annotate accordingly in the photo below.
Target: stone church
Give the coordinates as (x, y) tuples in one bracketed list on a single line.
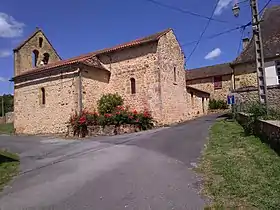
[(148, 73)]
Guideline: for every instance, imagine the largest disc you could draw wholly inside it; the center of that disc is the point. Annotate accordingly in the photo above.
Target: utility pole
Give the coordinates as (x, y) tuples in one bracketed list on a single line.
[(262, 88)]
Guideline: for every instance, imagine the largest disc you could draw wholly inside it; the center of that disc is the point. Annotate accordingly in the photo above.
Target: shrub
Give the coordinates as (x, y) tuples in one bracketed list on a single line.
[(217, 104), (108, 103), (121, 116)]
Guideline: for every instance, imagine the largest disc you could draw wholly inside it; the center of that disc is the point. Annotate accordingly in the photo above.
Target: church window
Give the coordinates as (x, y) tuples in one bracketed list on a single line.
[(192, 99), (40, 42), (217, 82), (174, 74), (43, 96), (133, 85), (35, 57)]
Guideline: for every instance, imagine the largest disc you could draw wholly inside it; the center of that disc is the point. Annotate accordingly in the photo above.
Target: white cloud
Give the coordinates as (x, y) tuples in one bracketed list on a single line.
[(2, 79), (222, 5), (213, 54), (9, 27), (5, 53)]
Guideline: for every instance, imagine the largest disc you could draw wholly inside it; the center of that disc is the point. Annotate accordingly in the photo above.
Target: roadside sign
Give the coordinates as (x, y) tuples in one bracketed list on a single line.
[(230, 99)]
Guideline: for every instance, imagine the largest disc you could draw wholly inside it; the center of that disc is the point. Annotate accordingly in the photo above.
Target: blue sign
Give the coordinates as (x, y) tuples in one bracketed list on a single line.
[(230, 99)]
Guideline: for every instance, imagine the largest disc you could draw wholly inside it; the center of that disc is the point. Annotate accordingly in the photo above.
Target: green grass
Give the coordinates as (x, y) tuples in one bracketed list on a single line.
[(9, 164), (239, 171), (7, 128)]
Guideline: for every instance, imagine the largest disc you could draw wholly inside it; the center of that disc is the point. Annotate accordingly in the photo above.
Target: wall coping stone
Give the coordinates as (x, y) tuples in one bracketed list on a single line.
[(252, 88)]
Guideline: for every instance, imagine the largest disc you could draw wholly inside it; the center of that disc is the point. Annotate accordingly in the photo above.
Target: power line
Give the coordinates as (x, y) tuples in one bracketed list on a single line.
[(187, 11), (267, 3), (203, 32)]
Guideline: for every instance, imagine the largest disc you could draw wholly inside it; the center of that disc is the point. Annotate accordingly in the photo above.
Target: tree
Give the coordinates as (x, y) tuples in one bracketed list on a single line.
[(8, 103)]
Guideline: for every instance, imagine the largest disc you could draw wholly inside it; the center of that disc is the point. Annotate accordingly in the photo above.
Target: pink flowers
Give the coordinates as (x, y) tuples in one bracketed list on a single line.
[(130, 117), (107, 115), (82, 120)]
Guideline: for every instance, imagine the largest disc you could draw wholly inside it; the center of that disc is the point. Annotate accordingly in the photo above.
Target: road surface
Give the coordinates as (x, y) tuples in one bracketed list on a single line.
[(139, 171)]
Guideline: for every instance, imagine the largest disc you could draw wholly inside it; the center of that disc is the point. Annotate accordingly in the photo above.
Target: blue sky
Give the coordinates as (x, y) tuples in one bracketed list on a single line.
[(75, 27)]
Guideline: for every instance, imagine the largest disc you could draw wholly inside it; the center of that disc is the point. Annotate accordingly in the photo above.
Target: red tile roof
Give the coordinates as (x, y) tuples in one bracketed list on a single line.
[(83, 58), (208, 71)]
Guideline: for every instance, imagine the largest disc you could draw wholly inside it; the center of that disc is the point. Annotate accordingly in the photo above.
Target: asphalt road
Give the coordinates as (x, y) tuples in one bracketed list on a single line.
[(140, 171)]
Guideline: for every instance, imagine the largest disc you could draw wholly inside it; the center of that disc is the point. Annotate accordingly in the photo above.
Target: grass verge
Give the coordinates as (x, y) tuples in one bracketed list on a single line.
[(9, 164), (7, 128), (239, 171)]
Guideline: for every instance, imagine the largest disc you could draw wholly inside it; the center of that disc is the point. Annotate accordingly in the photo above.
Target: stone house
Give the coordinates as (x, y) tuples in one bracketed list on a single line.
[(216, 80), (148, 73), (221, 79)]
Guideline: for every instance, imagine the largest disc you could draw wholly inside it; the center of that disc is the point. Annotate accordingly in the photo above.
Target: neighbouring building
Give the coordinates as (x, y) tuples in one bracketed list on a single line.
[(216, 80), (219, 80), (147, 72)]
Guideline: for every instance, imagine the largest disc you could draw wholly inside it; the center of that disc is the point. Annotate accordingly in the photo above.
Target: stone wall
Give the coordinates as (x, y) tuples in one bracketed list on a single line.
[(23, 57), (250, 94), (245, 75), (9, 117), (139, 63), (172, 79), (198, 102), (207, 85), (61, 91), (267, 130)]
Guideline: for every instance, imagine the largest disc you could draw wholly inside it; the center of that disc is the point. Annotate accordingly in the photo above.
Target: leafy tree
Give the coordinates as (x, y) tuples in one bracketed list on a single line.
[(8, 103)]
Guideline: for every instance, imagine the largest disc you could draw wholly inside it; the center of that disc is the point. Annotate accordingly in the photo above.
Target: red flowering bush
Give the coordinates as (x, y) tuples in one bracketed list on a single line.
[(118, 116)]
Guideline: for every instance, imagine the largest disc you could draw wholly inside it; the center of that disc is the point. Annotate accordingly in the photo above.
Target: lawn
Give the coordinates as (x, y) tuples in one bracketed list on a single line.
[(9, 164), (7, 128), (239, 170)]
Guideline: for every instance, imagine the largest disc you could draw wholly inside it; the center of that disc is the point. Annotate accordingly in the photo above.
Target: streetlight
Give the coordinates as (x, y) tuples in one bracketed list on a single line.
[(236, 10)]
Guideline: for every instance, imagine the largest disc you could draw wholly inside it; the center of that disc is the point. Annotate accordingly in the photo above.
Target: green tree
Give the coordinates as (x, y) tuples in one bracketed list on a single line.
[(8, 103)]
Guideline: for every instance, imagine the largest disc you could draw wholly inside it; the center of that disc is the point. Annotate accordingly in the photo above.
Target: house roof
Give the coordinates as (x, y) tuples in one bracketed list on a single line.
[(198, 90), (85, 57), (208, 71), (31, 36), (270, 30)]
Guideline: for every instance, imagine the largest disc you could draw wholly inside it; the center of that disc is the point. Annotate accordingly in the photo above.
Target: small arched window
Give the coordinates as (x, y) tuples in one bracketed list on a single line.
[(35, 57), (43, 96), (192, 99), (133, 85), (174, 73), (46, 58), (40, 42)]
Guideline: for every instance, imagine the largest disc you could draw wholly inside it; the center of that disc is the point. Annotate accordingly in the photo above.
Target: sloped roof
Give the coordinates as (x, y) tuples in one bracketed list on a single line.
[(270, 29), (208, 71), (31, 36), (197, 90), (85, 57)]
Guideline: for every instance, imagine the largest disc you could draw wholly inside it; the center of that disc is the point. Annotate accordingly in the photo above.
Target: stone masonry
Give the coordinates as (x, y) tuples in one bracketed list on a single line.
[(207, 85), (157, 67)]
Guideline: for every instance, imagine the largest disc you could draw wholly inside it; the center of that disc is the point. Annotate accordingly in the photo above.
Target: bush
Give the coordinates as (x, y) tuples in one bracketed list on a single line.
[(217, 104), (108, 103), (120, 116)]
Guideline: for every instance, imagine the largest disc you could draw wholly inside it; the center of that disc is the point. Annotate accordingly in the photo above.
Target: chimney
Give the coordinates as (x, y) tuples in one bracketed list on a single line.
[(245, 42)]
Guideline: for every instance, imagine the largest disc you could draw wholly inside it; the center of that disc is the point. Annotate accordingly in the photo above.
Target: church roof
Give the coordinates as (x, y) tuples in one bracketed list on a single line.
[(86, 57), (208, 71), (270, 37)]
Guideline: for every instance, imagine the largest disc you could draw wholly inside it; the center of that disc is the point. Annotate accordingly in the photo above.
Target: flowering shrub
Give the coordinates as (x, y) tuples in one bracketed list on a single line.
[(119, 116), (108, 103)]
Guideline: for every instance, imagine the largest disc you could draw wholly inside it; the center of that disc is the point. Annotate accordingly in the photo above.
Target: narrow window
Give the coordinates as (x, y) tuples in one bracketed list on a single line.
[(192, 99), (133, 85), (46, 58), (217, 82), (174, 73), (43, 96), (40, 42), (35, 57)]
